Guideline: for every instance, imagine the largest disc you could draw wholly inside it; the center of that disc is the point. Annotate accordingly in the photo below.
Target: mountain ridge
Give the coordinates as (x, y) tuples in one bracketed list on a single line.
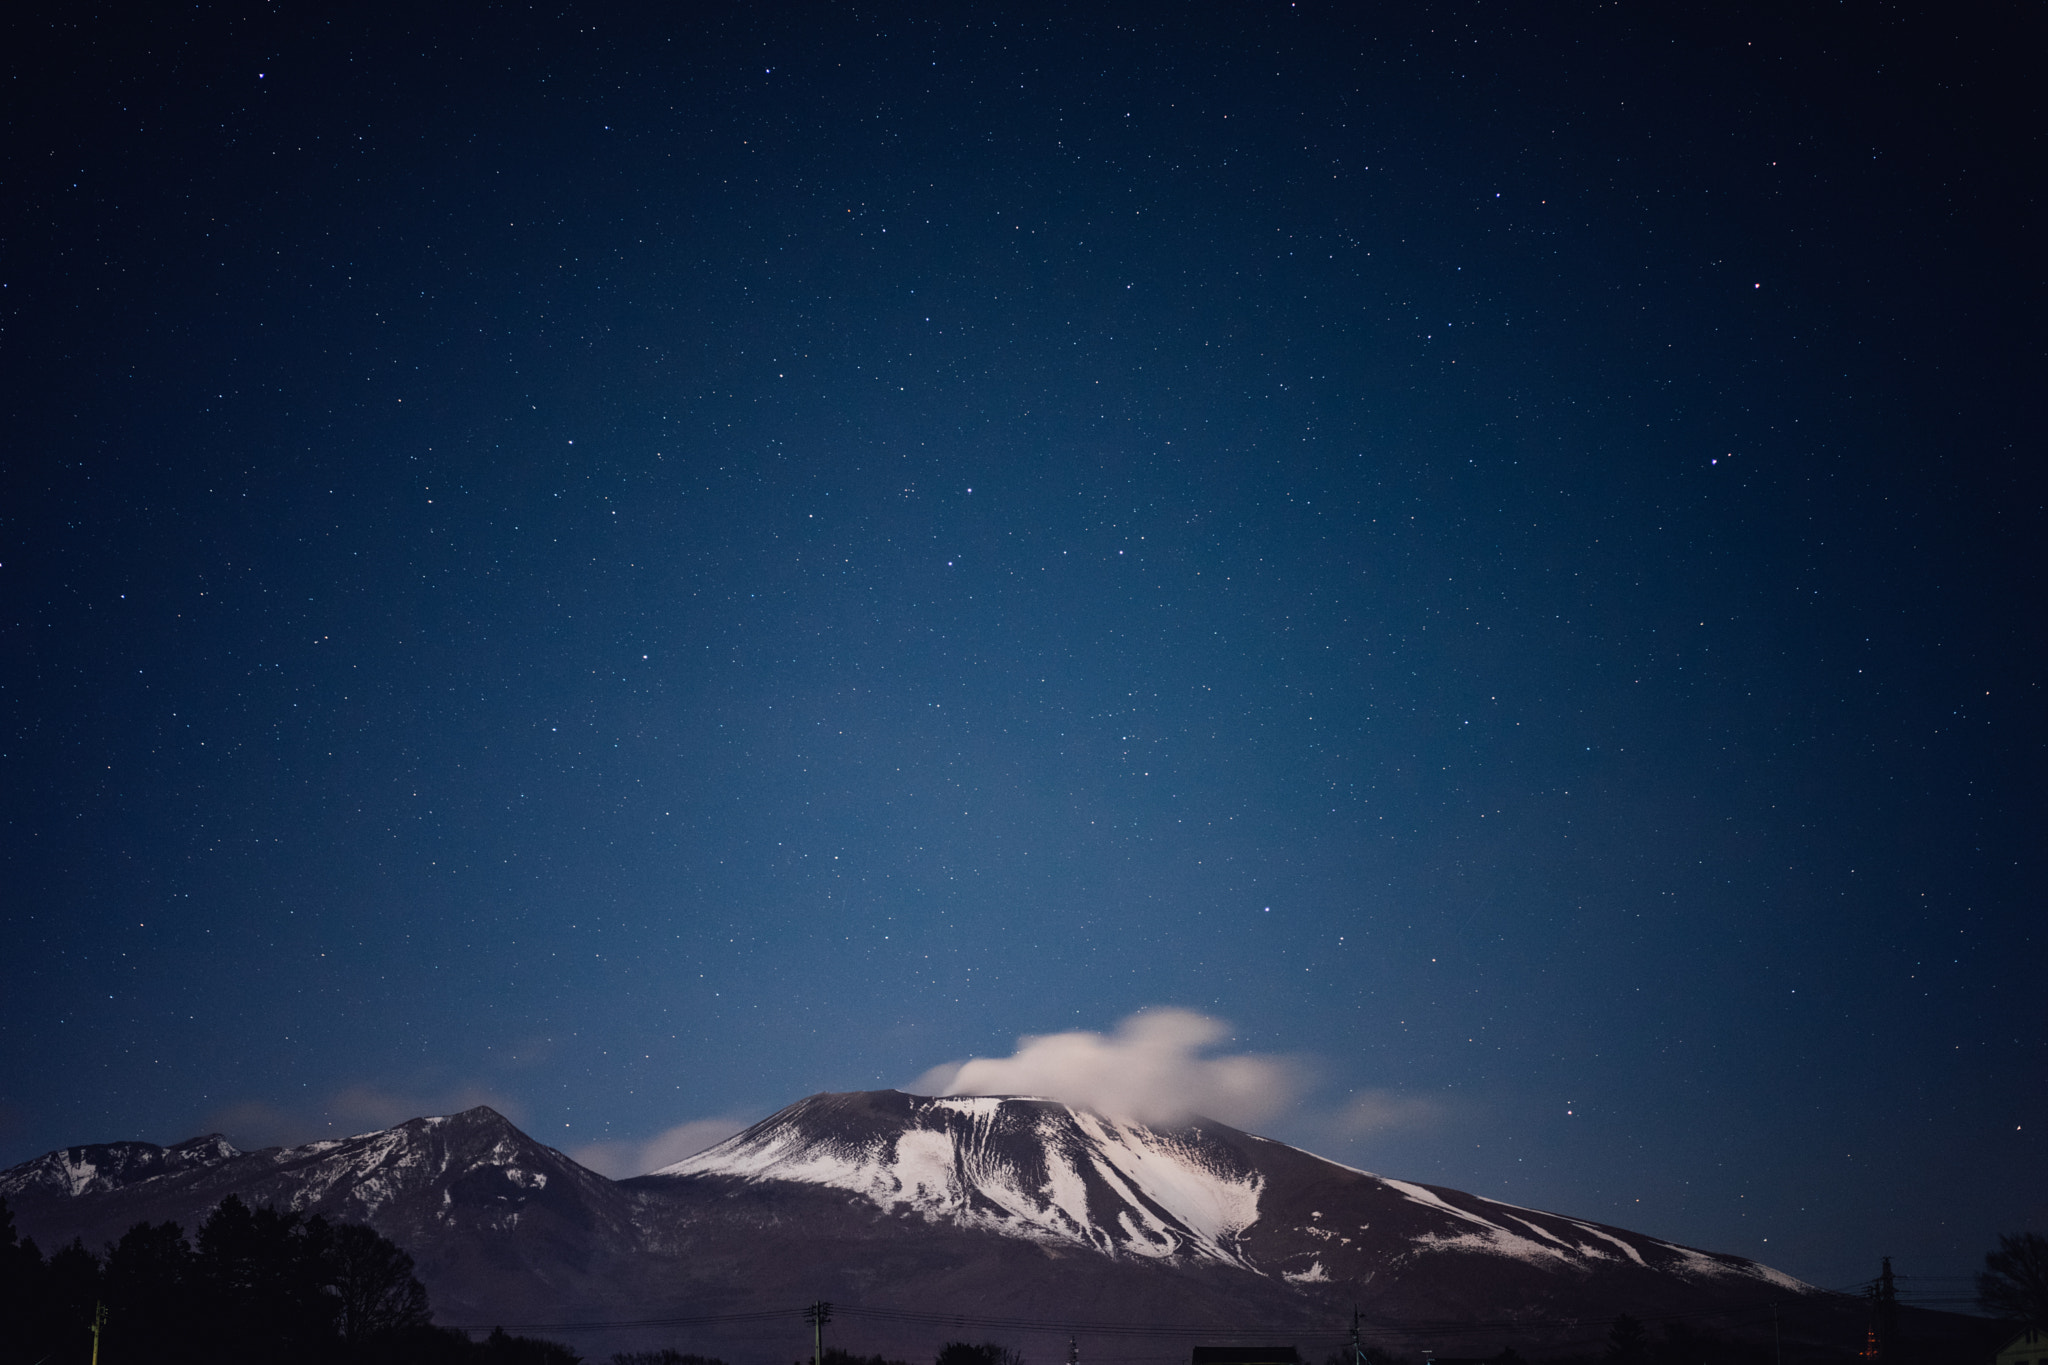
[(1041, 1169), (1011, 1208)]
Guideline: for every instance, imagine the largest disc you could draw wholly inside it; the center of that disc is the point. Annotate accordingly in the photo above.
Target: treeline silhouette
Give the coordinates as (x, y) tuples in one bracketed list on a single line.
[(253, 1285), (1627, 1342), (952, 1353)]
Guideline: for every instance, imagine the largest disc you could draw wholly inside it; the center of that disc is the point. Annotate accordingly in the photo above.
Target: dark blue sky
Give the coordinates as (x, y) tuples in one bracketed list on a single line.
[(640, 568)]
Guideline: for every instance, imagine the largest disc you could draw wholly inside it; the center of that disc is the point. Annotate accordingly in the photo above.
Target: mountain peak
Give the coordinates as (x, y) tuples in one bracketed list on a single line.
[(477, 1118), (1196, 1192), (1042, 1207), (1031, 1168)]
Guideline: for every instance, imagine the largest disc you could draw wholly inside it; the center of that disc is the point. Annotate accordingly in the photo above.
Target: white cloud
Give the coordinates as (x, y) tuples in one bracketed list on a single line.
[(621, 1159), (1152, 1068)]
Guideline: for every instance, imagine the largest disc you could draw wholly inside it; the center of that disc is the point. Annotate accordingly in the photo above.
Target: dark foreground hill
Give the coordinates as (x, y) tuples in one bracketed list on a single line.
[(925, 1219)]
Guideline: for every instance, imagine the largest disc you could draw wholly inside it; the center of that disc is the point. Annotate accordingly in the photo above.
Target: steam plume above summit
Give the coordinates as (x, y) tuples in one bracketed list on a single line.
[(1152, 1068)]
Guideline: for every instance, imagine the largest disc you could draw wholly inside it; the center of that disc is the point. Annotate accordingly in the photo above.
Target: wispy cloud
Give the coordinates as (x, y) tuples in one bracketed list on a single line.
[(1371, 1112), (621, 1159), (1157, 1067), (257, 1123), (352, 1109)]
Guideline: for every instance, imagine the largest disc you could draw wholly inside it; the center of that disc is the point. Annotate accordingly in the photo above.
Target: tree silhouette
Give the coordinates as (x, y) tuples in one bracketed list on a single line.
[(70, 1293), (373, 1285), (987, 1353), (1627, 1342), (21, 1273), (2015, 1279), (501, 1348), (263, 1277), (259, 1287), (1374, 1355), (148, 1288)]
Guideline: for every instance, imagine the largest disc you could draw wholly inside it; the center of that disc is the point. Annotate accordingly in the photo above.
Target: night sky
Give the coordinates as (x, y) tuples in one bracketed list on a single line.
[(637, 567)]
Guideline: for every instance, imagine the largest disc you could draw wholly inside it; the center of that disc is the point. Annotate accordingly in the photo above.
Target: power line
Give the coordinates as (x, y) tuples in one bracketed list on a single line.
[(698, 1320), (1757, 1311), (1388, 1327)]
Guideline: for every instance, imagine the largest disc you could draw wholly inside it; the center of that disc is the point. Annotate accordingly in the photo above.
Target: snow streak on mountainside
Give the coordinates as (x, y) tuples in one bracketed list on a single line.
[(1024, 1168)]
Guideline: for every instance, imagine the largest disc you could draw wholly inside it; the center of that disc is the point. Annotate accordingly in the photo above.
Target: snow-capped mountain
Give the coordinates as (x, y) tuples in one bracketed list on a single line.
[(472, 1167), (1045, 1172), (472, 1197), (1026, 1210), (72, 1171)]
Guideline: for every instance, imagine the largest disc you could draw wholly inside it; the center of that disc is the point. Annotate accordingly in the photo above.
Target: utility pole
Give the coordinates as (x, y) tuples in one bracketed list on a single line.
[(819, 1314), (1073, 1351), (1357, 1349), (1887, 1314), (99, 1320), (1881, 1342)]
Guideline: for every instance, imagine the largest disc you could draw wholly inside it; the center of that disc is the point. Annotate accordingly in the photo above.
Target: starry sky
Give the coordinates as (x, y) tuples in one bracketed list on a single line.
[(636, 567)]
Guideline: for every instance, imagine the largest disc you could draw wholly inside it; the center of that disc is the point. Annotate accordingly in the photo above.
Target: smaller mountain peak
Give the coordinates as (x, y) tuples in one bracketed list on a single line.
[(206, 1144), (208, 1149), (478, 1118), (482, 1113)]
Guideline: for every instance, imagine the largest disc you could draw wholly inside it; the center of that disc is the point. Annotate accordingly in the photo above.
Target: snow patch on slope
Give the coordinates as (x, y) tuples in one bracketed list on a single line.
[(1626, 1249), (77, 1173), (1492, 1238), (1697, 1263)]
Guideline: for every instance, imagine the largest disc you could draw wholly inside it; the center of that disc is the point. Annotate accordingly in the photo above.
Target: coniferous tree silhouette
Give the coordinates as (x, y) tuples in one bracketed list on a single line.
[(148, 1287), (21, 1269), (70, 1293), (262, 1276), (1627, 1342)]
